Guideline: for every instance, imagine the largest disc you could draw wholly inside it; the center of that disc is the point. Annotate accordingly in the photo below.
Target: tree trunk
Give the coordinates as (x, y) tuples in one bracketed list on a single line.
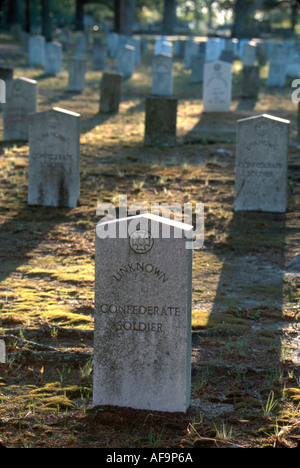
[(46, 20), (169, 16), (14, 12), (242, 10), (27, 16), (124, 16), (79, 26)]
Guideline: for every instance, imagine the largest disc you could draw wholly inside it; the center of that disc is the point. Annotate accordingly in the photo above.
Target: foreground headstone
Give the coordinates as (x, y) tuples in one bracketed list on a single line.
[(53, 176), (110, 92), (142, 340), (21, 100), (261, 164), (37, 46), (53, 58), (162, 75), (77, 71), (160, 121), (217, 87)]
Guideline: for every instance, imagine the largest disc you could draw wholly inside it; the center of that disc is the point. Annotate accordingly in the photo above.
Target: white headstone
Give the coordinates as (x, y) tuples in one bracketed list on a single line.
[(191, 48), (142, 340), (126, 61), (77, 70), (261, 164), (21, 100), (277, 66), (2, 352), (249, 54), (37, 46), (53, 175), (217, 87), (162, 75), (53, 58)]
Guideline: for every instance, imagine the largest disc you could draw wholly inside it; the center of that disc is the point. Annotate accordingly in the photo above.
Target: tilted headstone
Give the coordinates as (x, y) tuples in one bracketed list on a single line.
[(21, 100), (197, 66), (37, 46), (142, 338), (277, 67), (250, 82), (162, 75), (110, 92), (217, 87), (77, 71), (53, 58), (126, 61), (261, 164), (160, 121), (53, 175), (98, 54)]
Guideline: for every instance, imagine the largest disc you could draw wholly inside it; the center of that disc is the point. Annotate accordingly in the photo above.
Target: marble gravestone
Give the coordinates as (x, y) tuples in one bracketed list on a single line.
[(142, 337), (126, 61), (77, 71), (197, 66), (53, 175), (36, 47), (191, 48), (261, 164), (2, 352), (249, 54), (53, 58), (217, 87), (162, 75), (98, 54), (277, 66), (21, 100)]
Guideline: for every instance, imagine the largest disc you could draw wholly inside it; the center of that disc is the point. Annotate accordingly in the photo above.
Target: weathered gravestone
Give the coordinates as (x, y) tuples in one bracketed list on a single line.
[(197, 66), (21, 100), (36, 46), (98, 54), (160, 121), (142, 340), (213, 49), (77, 71), (261, 164), (217, 87), (126, 61), (277, 66), (110, 92), (250, 82), (53, 58), (136, 43), (53, 176), (162, 75)]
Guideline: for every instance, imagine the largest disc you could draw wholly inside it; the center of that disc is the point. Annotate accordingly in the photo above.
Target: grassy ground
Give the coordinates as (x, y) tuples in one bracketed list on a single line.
[(245, 366)]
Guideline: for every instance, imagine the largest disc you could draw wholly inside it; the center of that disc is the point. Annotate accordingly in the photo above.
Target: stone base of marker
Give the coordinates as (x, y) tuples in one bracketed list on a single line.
[(250, 82), (160, 121), (110, 92), (53, 174), (142, 340)]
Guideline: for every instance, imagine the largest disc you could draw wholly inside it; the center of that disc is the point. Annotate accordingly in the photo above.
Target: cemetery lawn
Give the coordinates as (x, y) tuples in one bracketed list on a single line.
[(246, 306)]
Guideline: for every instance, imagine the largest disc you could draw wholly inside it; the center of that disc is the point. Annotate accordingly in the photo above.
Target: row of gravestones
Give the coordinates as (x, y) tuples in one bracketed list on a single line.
[(54, 142)]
